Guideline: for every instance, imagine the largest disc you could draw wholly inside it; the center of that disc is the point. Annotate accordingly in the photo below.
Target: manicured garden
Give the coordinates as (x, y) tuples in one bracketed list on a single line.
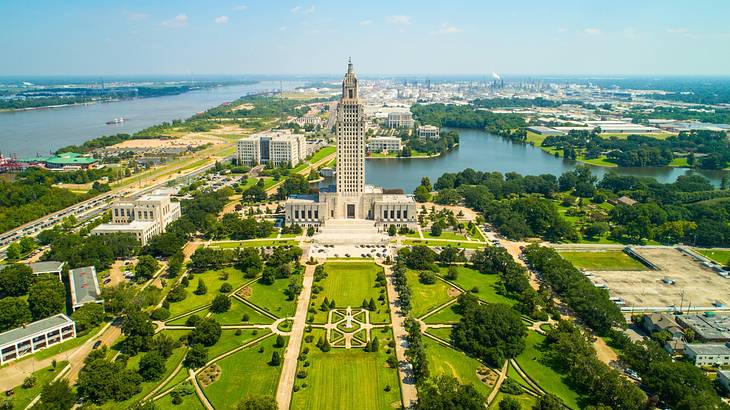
[(603, 260), (213, 281), (483, 286), (272, 298), (240, 311), (444, 360), (442, 243), (349, 284), (425, 297)]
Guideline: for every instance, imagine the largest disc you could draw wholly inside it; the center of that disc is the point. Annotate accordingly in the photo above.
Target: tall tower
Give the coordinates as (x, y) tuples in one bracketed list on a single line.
[(350, 138)]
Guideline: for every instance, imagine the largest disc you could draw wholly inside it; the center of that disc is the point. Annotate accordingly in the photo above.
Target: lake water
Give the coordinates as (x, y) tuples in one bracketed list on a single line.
[(26, 133), (488, 152)]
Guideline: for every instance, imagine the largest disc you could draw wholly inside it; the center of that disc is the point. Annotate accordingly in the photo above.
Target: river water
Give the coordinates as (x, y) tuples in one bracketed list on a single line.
[(488, 152), (27, 133)]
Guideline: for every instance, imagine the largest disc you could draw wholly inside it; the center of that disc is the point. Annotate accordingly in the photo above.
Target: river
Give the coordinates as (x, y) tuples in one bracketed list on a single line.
[(488, 152), (27, 133)]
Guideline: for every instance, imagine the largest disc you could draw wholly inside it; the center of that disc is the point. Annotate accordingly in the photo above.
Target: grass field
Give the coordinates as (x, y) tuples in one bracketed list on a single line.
[(444, 360), (532, 361), (321, 154), (445, 235), (426, 297), (348, 284), (229, 340), (234, 316), (442, 243), (347, 379), (22, 397), (213, 281), (605, 260), (468, 279), (445, 315), (441, 332), (272, 297), (190, 402), (721, 256), (245, 373), (526, 401)]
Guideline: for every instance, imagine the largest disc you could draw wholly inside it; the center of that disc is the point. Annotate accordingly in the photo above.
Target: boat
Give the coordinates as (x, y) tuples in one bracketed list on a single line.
[(116, 121)]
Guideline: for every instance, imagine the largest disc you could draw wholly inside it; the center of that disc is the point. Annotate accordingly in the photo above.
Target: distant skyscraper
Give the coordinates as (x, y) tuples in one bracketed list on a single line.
[(350, 138)]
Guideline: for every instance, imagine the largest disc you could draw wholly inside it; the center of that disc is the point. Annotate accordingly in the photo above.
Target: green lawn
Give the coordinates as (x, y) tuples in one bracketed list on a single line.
[(469, 279), (533, 361), (445, 235), (213, 281), (436, 242), (229, 340), (348, 284), (721, 256), (272, 298), (679, 162), (426, 297), (262, 243), (526, 401), (441, 332), (243, 374), (22, 396), (190, 402), (234, 316), (444, 360), (445, 315), (347, 379), (321, 154), (179, 376), (603, 261)]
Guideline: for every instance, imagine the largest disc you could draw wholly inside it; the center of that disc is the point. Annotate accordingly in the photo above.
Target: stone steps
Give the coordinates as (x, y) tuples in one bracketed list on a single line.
[(350, 231)]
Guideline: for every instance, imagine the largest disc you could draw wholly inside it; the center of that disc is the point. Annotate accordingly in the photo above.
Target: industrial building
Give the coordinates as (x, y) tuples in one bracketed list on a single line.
[(708, 327), (541, 130), (84, 286), (275, 147), (35, 336), (144, 217), (708, 354)]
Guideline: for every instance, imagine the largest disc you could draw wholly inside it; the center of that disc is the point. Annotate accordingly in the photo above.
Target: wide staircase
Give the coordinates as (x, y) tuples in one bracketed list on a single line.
[(350, 231)]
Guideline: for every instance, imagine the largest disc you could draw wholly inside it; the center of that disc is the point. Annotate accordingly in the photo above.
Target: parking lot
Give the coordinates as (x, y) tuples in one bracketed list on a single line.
[(680, 280)]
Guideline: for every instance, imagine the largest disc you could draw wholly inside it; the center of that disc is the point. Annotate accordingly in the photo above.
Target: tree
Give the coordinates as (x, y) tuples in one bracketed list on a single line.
[(207, 332), (151, 366), (46, 297), (139, 330), (13, 313), (392, 230), (56, 395), (201, 289), (101, 380), (445, 392), (275, 358), (548, 402), (371, 306), (146, 267), (221, 303), (436, 229), (310, 231), (452, 273), (88, 316), (258, 403), (279, 341), (13, 252), (197, 356), (15, 280), (509, 403)]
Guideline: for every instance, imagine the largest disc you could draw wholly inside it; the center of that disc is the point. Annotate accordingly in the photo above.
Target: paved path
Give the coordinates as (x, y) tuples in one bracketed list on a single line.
[(289, 367), (498, 384), (409, 395), (199, 391)]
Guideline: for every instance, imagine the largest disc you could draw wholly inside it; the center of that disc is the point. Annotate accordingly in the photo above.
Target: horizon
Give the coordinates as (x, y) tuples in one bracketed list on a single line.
[(313, 38)]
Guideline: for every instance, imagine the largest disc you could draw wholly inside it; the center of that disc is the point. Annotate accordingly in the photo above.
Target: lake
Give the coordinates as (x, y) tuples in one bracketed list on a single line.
[(27, 133), (488, 152)]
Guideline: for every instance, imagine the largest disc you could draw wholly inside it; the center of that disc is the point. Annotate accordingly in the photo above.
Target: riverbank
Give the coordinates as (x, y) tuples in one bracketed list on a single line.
[(417, 155)]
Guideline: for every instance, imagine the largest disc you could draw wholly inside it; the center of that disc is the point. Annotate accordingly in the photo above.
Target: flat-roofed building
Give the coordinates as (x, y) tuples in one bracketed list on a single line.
[(723, 377), (45, 268), (428, 131), (542, 130), (84, 286), (144, 217), (35, 336), (389, 144), (708, 354), (400, 119), (277, 147), (708, 327)]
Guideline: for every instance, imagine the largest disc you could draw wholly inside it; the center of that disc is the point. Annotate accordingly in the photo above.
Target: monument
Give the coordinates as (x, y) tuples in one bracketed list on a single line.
[(351, 199)]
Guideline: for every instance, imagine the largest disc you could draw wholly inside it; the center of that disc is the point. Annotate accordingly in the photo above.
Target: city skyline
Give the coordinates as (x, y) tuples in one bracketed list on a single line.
[(311, 38)]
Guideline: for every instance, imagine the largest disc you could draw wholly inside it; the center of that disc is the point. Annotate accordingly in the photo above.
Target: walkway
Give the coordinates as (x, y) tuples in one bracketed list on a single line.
[(291, 355), (409, 394)]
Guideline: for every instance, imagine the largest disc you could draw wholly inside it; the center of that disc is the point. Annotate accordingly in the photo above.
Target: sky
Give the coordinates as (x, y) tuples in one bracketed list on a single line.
[(617, 37)]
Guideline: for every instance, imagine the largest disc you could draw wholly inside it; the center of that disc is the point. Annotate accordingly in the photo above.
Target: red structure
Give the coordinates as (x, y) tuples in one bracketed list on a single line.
[(8, 164)]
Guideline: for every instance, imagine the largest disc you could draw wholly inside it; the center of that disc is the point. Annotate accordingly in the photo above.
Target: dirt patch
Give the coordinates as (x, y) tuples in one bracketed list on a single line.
[(487, 376), (453, 292), (209, 375), (245, 292)]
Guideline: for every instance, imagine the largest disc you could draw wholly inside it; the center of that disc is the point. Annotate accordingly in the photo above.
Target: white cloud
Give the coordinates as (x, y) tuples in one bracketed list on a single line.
[(366, 23), (137, 16), (447, 28), (240, 7), (302, 10), (179, 21), (592, 31), (221, 20), (400, 20)]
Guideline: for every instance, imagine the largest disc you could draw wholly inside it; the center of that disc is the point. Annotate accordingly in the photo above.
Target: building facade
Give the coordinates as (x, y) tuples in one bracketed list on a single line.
[(275, 147), (708, 354), (350, 198), (35, 336), (144, 217), (428, 131), (400, 119), (389, 144)]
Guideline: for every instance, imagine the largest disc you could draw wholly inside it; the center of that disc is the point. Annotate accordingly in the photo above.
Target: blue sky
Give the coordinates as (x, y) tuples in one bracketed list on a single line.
[(383, 37)]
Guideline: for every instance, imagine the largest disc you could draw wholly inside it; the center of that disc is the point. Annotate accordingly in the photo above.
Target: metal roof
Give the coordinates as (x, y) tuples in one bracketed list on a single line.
[(31, 329), (84, 285)]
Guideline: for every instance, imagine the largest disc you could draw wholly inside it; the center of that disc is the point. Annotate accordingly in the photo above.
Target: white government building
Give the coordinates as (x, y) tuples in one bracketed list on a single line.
[(389, 144), (428, 131), (400, 119), (144, 217), (277, 147), (351, 199), (28, 339)]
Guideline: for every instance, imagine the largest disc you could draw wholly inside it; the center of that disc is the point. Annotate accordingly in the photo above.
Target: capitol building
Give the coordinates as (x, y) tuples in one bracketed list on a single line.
[(350, 199)]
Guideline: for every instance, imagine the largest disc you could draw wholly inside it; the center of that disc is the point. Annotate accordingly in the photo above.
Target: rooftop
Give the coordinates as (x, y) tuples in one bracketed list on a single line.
[(43, 267), (134, 225), (708, 349), (709, 328), (84, 285), (30, 329)]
